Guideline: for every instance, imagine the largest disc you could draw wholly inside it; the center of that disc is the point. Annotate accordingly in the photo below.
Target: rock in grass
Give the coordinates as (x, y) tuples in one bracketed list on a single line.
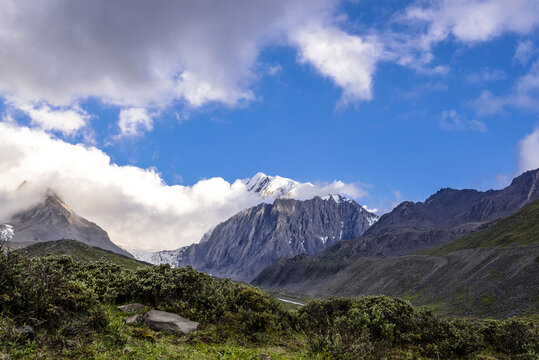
[(168, 322), (133, 320), (24, 331), (131, 307)]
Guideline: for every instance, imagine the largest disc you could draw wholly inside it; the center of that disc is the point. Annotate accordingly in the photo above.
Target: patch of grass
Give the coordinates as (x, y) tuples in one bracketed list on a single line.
[(79, 252)]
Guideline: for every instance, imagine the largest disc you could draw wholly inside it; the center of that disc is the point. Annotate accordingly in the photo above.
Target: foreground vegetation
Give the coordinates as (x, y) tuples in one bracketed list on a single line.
[(71, 307)]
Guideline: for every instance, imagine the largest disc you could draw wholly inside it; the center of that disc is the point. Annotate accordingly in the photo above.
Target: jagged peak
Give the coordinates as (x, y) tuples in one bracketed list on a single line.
[(338, 198), (530, 174)]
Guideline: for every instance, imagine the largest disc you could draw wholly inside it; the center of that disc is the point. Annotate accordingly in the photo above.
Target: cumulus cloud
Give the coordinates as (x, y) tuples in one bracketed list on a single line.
[(66, 120), (135, 54), (144, 53), (348, 60), (529, 152), (452, 121), (134, 121), (467, 21), (474, 20), (135, 206)]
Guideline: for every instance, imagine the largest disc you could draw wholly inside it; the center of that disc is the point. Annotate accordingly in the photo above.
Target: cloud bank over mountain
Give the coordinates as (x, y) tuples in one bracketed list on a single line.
[(136, 207)]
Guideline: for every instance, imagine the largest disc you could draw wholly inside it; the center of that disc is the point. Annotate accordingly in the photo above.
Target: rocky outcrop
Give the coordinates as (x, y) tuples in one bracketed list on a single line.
[(168, 322), (131, 307), (134, 320), (252, 239), (54, 220)]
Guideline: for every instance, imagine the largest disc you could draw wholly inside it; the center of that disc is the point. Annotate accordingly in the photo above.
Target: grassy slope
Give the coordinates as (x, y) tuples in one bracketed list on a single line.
[(521, 228), (79, 251)]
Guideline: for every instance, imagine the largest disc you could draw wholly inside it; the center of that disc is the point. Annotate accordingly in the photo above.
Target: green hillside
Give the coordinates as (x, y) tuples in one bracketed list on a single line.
[(521, 228), (80, 252)]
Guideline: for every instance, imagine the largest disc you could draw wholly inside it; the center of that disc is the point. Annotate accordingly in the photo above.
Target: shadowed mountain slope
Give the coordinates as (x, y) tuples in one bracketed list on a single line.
[(54, 220)]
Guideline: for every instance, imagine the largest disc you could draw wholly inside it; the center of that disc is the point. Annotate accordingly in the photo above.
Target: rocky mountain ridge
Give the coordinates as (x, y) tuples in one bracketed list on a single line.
[(409, 228), (490, 271), (254, 238)]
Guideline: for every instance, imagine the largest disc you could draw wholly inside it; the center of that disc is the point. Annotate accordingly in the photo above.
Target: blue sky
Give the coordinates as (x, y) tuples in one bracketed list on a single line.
[(397, 98)]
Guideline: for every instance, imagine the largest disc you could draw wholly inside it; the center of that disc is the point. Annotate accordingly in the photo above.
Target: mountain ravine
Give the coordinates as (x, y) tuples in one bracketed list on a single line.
[(254, 238)]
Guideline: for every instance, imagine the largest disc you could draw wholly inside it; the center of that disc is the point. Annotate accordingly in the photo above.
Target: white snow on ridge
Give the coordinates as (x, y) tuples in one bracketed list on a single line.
[(6, 232), (160, 257), (372, 220), (274, 186), (339, 199)]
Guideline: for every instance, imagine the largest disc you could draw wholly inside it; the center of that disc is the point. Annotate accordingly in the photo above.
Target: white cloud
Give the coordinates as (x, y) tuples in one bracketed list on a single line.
[(474, 20), (348, 60), (468, 21), (134, 205), (523, 95), (529, 152), (452, 121), (134, 121), (64, 119), (524, 52)]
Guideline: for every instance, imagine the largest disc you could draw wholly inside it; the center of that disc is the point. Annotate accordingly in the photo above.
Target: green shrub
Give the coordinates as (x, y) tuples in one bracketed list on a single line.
[(369, 327)]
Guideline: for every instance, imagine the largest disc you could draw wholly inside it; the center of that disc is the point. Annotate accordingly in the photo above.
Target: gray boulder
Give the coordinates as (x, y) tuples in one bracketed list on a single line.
[(133, 320), (168, 322), (131, 307)]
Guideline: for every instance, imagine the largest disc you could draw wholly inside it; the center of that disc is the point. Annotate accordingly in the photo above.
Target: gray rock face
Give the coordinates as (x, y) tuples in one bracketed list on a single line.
[(53, 220), (168, 322), (131, 307), (252, 239), (134, 320)]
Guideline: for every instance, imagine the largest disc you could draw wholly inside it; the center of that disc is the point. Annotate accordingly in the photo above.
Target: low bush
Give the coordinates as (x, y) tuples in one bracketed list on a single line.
[(371, 327)]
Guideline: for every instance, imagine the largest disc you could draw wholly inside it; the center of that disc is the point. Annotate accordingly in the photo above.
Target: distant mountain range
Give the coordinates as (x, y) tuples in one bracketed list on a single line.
[(51, 220), (494, 266), (254, 238)]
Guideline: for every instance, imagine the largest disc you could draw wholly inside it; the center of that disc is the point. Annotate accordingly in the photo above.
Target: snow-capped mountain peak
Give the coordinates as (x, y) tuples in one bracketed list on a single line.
[(274, 186), (338, 198)]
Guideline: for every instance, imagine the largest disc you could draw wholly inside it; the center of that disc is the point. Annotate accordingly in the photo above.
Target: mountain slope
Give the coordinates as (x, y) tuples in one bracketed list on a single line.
[(520, 228), (54, 220), (80, 252), (254, 238), (478, 269), (498, 282)]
